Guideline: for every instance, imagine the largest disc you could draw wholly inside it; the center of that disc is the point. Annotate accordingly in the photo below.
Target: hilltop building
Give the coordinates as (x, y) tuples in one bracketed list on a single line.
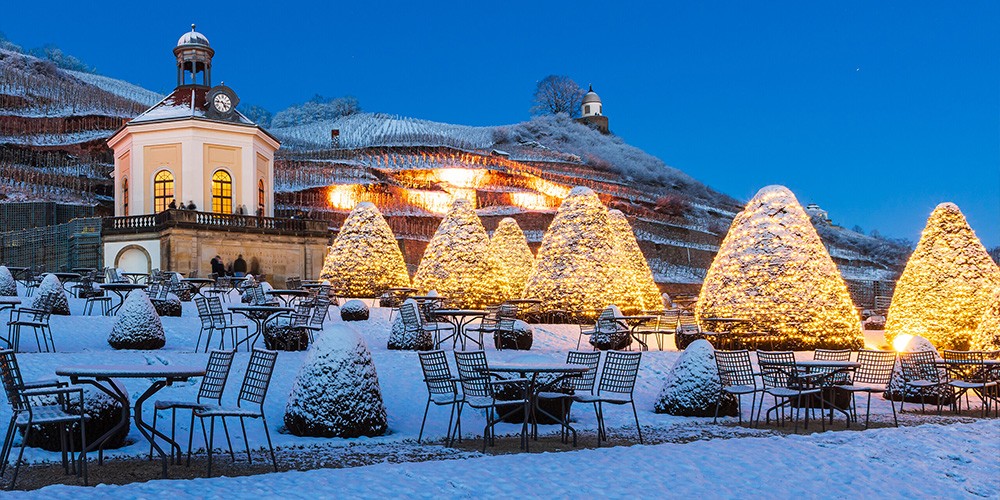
[(592, 112), (194, 178)]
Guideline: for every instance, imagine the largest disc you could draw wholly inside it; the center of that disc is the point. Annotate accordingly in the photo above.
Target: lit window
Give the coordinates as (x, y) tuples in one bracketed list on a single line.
[(260, 197), (163, 190), (125, 197), (222, 192)]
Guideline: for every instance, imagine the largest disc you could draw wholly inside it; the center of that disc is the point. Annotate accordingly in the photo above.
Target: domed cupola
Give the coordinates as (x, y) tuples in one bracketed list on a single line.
[(194, 57), (591, 105)]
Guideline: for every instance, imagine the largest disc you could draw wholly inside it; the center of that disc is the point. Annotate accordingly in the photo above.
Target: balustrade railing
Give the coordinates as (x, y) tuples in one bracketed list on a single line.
[(193, 219)]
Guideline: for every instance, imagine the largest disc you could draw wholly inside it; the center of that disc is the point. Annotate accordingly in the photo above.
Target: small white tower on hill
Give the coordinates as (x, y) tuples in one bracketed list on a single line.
[(591, 104)]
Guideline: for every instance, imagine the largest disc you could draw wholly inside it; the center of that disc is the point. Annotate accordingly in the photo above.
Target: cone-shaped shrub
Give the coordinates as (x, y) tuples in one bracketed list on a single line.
[(457, 260), (336, 392), (137, 325), (947, 283), (635, 273), (773, 270), (693, 385), (513, 259), (364, 259), (51, 284), (8, 287), (576, 266), (987, 337)]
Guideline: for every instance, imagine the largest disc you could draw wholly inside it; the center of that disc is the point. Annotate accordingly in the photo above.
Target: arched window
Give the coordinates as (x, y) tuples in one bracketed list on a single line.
[(163, 190), (260, 197), (586, 109), (222, 192), (125, 196)]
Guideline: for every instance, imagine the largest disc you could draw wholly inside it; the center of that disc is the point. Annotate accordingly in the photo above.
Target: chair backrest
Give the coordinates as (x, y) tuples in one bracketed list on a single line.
[(258, 377), (318, 316), (619, 373), (257, 294), (473, 371), (216, 312), (301, 315), (153, 290), (507, 311), (735, 368), (687, 323), (216, 374), (920, 365), (776, 367), (969, 366), (293, 282), (590, 359), (832, 354), (224, 283), (437, 373), (876, 367), (13, 384), (410, 316)]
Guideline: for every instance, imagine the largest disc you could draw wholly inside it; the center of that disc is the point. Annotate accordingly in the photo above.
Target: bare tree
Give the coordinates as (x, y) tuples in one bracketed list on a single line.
[(558, 94)]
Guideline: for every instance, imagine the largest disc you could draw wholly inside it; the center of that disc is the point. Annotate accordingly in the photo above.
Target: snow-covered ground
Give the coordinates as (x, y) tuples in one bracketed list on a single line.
[(930, 459)]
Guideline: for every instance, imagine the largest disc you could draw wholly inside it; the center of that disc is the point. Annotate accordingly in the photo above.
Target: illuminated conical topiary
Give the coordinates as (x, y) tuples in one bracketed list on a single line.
[(364, 259), (773, 270), (457, 261), (947, 283), (575, 270), (635, 274), (987, 337), (513, 259)]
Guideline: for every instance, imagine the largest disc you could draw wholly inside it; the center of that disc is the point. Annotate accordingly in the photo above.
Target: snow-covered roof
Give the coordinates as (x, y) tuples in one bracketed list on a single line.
[(192, 38), (185, 102), (591, 96)]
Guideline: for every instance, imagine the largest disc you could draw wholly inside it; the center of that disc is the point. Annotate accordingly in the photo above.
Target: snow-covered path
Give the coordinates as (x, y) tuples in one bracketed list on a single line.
[(961, 460)]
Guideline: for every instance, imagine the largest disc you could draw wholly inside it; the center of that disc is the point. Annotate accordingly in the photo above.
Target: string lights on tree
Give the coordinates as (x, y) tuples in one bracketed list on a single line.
[(773, 270), (457, 262), (987, 337), (364, 259), (635, 273), (513, 259), (947, 284)]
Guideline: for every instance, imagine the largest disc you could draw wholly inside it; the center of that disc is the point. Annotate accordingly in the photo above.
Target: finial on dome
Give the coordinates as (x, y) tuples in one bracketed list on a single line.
[(192, 26), (590, 86)]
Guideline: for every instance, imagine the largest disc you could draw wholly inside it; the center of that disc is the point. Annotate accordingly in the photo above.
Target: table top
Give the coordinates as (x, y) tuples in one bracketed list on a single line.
[(62, 275), (10, 300), (135, 274), (16, 269), (135, 371), (428, 297), (639, 317), (83, 270), (311, 285), (301, 293), (538, 368), (198, 280), (251, 308), (122, 286), (821, 363), (459, 312)]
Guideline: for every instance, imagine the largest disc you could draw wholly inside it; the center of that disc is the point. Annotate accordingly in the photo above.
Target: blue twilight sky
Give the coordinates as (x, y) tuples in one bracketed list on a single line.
[(875, 110)]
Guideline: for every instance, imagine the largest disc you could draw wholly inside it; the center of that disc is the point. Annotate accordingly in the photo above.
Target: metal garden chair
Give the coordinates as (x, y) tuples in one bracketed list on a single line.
[(222, 321), (921, 373), (876, 370), (737, 378), (571, 386), (212, 386), (781, 380), (967, 371), (414, 320), (249, 403), (616, 386), (479, 390), (841, 377), (442, 389), (35, 318)]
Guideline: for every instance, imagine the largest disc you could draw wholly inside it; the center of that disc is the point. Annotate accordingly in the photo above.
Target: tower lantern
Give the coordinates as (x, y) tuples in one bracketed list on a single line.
[(194, 58)]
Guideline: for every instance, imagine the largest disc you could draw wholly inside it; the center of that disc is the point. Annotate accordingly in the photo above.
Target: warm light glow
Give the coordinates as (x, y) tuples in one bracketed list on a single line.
[(947, 284), (773, 270), (899, 343), (436, 202), (634, 269), (532, 201), (513, 259), (462, 177), (343, 196), (364, 259), (987, 337)]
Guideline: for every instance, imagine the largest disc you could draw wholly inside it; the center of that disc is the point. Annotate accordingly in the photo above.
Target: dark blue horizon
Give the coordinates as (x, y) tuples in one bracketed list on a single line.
[(875, 112)]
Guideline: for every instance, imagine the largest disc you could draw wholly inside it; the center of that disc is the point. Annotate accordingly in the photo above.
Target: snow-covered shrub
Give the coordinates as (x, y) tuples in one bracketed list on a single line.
[(576, 268), (365, 259), (354, 310), (51, 284), (105, 412), (513, 259), (895, 389), (402, 340), (457, 260), (518, 338), (693, 386), (947, 283), (336, 392), (137, 325), (640, 288), (987, 337), (285, 337), (170, 306), (8, 287), (773, 269)]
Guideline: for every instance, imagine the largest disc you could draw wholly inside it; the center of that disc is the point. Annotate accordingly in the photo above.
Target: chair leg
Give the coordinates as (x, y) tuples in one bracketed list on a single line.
[(211, 442), (228, 441), (718, 400), (637, 427), (427, 408), (451, 416), (8, 444), (20, 454), (156, 413), (191, 437), (246, 442), (83, 448), (267, 434)]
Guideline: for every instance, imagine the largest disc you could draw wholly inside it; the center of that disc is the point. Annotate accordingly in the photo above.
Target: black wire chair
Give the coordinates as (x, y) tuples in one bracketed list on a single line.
[(876, 369), (570, 386), (841, 376), (212, 386), (479, 390), (967, 371), (36, 318), (249, 403), (222, 321), (616, 386), (782, 381), (736, 378), (442, 389), (922, 374)]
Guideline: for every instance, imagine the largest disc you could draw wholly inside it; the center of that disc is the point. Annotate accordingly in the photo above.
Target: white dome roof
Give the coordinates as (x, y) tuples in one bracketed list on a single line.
[(591, 96), (192, 38)]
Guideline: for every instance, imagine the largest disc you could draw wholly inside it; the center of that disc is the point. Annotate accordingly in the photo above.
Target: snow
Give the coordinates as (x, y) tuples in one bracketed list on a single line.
[(693, 382), (8, 287), (928, 461), (137, 325), (51, 285)]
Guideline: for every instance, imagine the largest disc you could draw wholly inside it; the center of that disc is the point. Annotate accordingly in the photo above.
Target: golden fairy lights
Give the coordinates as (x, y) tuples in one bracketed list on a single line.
[(640, 287), (947, 284), (987, 335), (512, 258), (773, 270), (364, 259)]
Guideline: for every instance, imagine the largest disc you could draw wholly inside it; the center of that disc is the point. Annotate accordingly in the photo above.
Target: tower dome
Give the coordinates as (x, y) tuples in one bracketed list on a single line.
[(591, 105), (194, 58)]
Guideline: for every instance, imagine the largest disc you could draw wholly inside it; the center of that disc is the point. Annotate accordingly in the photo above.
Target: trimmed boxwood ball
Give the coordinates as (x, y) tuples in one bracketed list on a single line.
[(137, 326), (520, 338), (401, 340), (51, 284), (693, 386), (336, 392), (895, 390), (354, 310), (105, 412), (285, 337), (171, 306), (8, 287)]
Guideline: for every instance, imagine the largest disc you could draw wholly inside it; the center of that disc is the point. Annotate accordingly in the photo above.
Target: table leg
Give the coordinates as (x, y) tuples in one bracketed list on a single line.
[(122, 397), (147, 430)]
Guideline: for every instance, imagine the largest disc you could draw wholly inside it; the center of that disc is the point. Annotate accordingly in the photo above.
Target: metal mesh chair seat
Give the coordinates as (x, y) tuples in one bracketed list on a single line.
[(617, 399), (615, 386), (443, 399), (740, 389), (168, 404), (554, 395), (48, 414), (224, 411), (786, 392), (736, 377), (479, 390), (442, 388)]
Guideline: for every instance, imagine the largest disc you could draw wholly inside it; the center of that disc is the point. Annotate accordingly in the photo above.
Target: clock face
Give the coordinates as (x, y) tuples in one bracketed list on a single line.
[(222, 103)]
